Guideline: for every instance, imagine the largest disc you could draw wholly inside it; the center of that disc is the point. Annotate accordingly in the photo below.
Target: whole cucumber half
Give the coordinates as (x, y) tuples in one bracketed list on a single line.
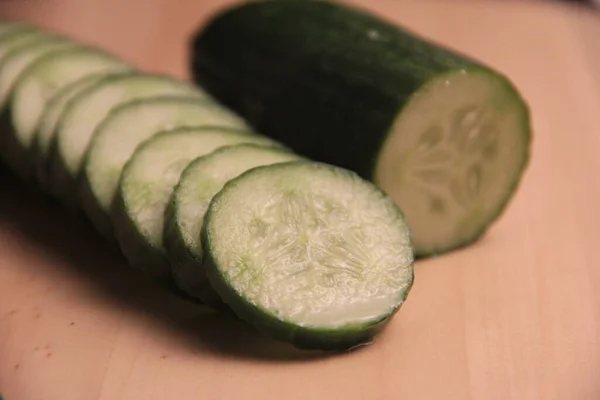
[(445, 136)]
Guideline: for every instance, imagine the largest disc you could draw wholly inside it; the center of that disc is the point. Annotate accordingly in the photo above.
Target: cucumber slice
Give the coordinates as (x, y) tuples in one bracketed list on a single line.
[(37, 85), (85, 112), (16, 35), (14, 62), (117, 137), (308, 253), (445, 136), (41, 148), (147, 183), (199, 183)]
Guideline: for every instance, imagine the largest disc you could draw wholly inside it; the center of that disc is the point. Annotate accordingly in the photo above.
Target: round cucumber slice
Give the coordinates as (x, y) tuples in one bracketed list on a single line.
[(44, 140), (85, 112), (199, 183), (454, 157), (126, 127), (14, 62), (309, 253), (146, 186), (38, 84)]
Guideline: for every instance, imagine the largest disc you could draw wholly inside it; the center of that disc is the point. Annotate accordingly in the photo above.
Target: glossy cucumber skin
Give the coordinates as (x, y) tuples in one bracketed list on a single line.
[(332, 83)]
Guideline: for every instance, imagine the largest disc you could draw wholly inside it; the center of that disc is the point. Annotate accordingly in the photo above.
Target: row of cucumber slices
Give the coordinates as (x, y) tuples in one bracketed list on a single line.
[(307, 252)]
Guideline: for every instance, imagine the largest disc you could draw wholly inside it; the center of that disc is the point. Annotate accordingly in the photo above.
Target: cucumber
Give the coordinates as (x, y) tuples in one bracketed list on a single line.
[(36, 86), (46, 131), (199, 183), (84, 113), (117, 137), (17, 34), (14, 62), (147, 183), (308, 253), (445, 136)]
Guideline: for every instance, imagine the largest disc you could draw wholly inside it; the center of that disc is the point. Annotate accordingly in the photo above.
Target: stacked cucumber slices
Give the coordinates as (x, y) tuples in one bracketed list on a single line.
[(307, 252)]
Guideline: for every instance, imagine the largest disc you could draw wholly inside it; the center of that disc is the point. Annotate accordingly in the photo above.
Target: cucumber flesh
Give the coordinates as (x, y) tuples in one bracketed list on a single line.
[(146, 186), (17, 60), (46, 132), (39, 83), (344, 87), (117, 137), (85, 112), (199, 183), (453, 157), (321, 258)]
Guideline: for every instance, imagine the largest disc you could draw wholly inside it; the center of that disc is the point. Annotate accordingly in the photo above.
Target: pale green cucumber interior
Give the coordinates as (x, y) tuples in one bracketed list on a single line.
[(149, 177), (16, 61), (54, 110), (87, 110), (201, 182), (119, 135), (46, 77), (311, 245), (454, 156)]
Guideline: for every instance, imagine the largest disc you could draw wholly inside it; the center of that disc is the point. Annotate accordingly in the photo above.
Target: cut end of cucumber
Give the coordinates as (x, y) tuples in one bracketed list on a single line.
[(311, 247), (454, 156)]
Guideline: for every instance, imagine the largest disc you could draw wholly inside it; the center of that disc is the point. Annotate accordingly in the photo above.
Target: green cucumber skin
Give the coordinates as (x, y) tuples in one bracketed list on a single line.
[(337, 340), (325, 88)]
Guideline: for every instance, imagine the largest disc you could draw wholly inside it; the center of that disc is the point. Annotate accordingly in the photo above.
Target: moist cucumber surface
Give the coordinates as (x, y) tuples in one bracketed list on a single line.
[(126, 127), (309, 253), (46, 131), (199, 183), (447, 137), (38, 84), (85, 112), (147, 184), (14, 62)]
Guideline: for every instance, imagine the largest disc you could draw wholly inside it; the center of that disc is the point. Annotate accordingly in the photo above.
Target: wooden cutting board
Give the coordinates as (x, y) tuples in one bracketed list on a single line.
[(514, 317)]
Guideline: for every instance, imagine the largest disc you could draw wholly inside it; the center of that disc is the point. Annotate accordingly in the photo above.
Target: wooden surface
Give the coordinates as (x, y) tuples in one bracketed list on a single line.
[(514, 317)]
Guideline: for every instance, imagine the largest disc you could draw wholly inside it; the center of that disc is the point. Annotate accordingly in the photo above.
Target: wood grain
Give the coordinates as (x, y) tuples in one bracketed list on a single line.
[(514, 317)]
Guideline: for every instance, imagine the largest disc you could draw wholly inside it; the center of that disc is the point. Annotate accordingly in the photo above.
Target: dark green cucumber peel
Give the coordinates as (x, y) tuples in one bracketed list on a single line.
[(333, 86), (269, 321)]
